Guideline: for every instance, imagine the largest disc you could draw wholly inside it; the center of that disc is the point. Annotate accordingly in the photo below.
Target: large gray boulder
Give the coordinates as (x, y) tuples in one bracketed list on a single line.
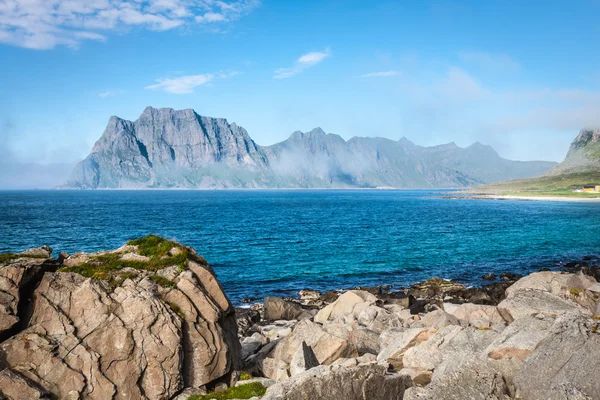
[(326, 347), (531, 302), (520, 338), (463, 378), (335, 382), (134, 334), (395, 343), (352, 303), (276, 308), (557, 283), (565, 364)]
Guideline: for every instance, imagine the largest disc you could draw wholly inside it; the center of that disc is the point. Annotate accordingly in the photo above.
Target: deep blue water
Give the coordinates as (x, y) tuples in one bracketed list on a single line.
[(274, 242)]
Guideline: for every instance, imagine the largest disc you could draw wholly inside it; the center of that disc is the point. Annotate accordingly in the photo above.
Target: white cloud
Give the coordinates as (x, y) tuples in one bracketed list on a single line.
[(305, 61), (186, 84), (45, 24), (380, 74), (496, 61), (109, 93)]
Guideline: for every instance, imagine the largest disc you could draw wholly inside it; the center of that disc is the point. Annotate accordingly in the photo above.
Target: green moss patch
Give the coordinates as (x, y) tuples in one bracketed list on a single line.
[(238, 392), (152, 246), (245, 375)]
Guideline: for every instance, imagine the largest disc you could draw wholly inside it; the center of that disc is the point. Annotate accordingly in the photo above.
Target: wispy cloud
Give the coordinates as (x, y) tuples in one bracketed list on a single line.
[(45, 24), (109, 93), (381, 74), (187, 84), (305, 61), (497, 61)]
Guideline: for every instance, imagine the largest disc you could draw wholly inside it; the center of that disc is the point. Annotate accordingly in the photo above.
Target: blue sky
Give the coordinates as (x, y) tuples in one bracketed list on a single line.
[(521, 76)]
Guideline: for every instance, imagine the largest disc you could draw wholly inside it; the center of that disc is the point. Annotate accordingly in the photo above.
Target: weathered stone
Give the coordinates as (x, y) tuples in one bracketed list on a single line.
[(529, 302), (438, 319), (245, 318), (134, 257), (419, 377), (303, 360), (351, 302), (463, 378), (470, 312), (519, 339), (250, 346), (18, 279), (277, 308), (379, 319), (397, 343), (83, 334), (558, 283), (43, 251), (326, 346), (362, 382), (429, 354), (274, 369), (565, 364), (14, 386)]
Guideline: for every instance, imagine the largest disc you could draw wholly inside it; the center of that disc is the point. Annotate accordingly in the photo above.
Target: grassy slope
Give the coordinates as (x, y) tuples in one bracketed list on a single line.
[(558, 185)]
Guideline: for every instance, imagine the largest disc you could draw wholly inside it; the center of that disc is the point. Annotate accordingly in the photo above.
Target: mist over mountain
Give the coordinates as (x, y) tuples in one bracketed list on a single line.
[(165, 148), (20, 175)]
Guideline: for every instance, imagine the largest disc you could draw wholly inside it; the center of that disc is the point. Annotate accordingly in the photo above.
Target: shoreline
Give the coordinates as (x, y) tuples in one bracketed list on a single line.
[(486, 281), (523, 198)]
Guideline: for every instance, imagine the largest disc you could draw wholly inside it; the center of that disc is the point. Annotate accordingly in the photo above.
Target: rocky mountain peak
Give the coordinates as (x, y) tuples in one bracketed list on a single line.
[(586, 137)]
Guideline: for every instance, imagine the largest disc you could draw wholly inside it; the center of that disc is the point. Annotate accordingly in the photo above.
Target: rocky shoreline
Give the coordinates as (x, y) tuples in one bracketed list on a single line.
[(150, 321)]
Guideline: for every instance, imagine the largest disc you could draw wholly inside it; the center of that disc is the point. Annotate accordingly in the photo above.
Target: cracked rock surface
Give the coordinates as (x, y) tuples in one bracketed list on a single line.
[(148, 335)]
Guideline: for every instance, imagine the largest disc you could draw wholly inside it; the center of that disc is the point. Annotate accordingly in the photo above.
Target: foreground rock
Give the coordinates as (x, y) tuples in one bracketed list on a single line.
[(363, 382), (141, 329), (437, 346), (19, 274), (565, 364)]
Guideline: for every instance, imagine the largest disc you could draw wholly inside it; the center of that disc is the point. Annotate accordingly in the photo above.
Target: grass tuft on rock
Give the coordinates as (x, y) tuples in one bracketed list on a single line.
[(157, 249), (162, 281), (237, 392), (154, 246)]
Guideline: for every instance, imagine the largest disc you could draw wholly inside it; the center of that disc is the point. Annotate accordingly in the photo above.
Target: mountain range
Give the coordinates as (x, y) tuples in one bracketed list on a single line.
[(166, 148)]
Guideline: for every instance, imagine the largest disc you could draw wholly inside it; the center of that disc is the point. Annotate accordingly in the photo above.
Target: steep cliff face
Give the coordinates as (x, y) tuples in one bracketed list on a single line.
[(165, 148)]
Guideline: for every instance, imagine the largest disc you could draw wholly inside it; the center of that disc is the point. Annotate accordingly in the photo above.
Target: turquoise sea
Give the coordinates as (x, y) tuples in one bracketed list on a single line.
[(278, 242)]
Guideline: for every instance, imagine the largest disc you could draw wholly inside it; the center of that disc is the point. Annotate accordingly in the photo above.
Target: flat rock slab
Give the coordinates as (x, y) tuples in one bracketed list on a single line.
[(565, 365), (335, 382)]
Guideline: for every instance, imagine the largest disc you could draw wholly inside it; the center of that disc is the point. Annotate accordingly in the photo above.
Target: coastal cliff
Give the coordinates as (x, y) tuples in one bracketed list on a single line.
[(166, 148)]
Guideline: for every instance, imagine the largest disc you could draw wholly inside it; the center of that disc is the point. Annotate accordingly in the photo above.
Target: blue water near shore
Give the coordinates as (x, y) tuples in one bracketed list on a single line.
[(278, 242)]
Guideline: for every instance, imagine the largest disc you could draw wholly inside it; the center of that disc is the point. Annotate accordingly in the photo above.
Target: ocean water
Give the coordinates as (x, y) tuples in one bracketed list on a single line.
[(278, 242)]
